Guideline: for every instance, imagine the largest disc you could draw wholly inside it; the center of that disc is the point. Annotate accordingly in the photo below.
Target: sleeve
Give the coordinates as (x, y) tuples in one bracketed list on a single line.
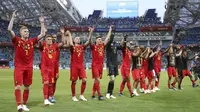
[(71, 49), (34, 40), (92, 46), (15, 40), (41, 46), (56, 46)]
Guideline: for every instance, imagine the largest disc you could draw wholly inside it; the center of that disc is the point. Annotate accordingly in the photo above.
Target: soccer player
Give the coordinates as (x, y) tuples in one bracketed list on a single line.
[(179, 65), (77, 69), (97, 62), (112, 64), (48, 55), (144, 75), (23, 62), (137, 70), (151, 72), (185, 72), (196, 68), (125, 67), (56, 68), (157, 65), (171, 68)]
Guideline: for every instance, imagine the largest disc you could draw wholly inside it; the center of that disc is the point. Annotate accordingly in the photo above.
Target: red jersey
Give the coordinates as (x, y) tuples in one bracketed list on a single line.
[(57, 57), (158, 59), (97, 54), (48, 55), (24, 52), (126, 57), (145, 63), (77, 55)]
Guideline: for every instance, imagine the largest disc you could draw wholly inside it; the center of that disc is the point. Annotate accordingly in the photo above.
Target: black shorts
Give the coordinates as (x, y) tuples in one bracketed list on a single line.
[(113, 71)]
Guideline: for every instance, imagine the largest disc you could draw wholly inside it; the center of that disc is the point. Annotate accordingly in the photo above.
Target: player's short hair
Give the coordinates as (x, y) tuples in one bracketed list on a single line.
[(47, 36), (54, 36), (22, 27), (100, 36)]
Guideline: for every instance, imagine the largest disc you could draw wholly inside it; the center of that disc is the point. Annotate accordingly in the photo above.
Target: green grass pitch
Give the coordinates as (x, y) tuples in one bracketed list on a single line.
[(187, 100)]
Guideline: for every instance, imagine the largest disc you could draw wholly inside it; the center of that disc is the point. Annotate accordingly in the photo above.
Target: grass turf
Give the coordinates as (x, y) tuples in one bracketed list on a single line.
[(187, 100)]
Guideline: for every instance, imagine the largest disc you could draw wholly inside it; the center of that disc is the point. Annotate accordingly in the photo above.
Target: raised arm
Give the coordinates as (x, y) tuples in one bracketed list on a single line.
[(69, 39), (108, 36), (89, 37), (137, 52), (143, 53), (62, 30), (123, 42), (43, 29), (10, 26), (153, 54), (179, 54)]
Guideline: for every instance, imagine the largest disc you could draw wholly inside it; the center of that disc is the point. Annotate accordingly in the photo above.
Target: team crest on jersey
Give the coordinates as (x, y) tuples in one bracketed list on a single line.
[(50, 52), (100, 50), (158, 57), (18, 44), (78, 50), (26, 48), (31, 44)]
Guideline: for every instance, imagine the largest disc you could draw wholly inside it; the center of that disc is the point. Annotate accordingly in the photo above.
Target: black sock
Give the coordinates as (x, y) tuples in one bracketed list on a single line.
[(110, 87)]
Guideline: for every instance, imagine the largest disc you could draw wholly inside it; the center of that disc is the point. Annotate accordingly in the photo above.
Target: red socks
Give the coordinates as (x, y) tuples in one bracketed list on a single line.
[(97, 87), (54, 88), (50, 91), (94, 89), (129, 86), (18, 97), (45, 91), (157, 82), (169, 86), (122, 86), (193, 82), (73, 88), (25, 96), (83, 86)]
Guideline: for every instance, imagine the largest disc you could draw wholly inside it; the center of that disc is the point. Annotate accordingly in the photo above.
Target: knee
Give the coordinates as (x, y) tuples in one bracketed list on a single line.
[(112, 78), (96, 80), (84, 80), (126, 79), (26, 87), (18, 87), (73, 82), (46, 82)]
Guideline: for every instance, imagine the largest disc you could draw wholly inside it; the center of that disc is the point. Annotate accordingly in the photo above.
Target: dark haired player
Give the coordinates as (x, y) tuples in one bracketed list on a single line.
[(97, 62), (125, 67), (77, 69)]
